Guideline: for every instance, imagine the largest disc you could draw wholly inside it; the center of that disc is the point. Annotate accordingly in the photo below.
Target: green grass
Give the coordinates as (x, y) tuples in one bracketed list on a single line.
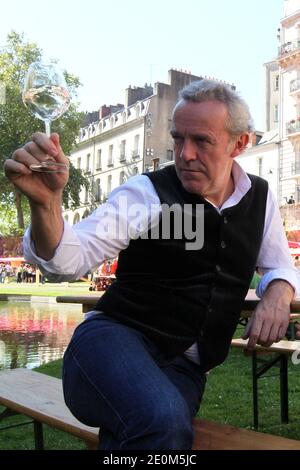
[(227, 399), (48, 289)]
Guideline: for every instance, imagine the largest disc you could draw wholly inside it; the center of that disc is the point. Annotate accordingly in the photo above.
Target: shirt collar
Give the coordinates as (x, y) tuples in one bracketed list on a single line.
[(242, 184)]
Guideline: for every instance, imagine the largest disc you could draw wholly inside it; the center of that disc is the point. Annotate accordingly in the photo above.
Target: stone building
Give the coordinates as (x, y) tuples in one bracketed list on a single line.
[(125, 139)]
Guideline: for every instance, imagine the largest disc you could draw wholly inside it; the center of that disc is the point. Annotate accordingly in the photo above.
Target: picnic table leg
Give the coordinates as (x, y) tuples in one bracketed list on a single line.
[(254, 389), (284, 402), (38, 435)]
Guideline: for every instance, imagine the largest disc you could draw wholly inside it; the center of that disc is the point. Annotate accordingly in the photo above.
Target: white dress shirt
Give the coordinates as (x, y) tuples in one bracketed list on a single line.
[(130, 210)]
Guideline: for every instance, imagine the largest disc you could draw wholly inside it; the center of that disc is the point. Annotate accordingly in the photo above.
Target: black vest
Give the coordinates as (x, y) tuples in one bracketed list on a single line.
[(178, 296)]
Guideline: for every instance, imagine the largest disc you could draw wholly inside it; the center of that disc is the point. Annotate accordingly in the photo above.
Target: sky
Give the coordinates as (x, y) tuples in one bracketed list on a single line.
[(112, 44)]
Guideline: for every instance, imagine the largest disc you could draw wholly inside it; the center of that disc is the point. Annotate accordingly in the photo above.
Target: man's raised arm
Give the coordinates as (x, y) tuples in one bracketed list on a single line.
[(43, 190)]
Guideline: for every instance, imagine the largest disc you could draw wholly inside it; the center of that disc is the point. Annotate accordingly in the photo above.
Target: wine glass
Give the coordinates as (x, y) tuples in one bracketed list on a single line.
[(46, 94)]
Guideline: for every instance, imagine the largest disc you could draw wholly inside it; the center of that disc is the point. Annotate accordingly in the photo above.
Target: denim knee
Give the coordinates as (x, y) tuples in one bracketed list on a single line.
[(167, 425)]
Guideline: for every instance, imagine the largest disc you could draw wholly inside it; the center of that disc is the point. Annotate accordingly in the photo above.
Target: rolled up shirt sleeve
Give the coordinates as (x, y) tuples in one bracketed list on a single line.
[(275, 260), (61, 267), (130, 210), (291, 276)]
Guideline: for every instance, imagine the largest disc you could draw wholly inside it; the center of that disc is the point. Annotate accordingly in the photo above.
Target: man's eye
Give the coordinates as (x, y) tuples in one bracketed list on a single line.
[(202, 142)]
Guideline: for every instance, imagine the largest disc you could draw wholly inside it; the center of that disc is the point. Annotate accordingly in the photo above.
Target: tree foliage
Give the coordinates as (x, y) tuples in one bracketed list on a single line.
[(17, 125)]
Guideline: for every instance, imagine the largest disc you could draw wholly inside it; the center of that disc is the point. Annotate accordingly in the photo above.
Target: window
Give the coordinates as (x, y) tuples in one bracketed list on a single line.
[(260, 166), (109, 180), (136, 152), (122, 177), (86, 196), (170, 155), (110, 156), (123, 151), (276, 83), (97, 190), (298, 193), (276, 113), (78, 163), (88, 162), (98, 161)]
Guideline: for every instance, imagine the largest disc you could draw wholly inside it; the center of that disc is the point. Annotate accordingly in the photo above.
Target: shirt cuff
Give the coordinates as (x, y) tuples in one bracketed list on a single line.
[(289, 275), (62, 256)]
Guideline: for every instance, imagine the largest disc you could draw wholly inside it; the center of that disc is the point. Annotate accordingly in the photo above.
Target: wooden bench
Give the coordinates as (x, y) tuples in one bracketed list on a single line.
[(283, 349), (40, 397)]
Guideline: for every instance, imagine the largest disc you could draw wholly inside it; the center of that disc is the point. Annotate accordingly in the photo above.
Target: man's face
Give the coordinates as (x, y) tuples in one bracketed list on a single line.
[(203, 149)]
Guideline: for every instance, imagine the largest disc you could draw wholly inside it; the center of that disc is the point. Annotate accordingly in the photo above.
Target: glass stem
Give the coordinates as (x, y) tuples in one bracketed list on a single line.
[(47, 126)]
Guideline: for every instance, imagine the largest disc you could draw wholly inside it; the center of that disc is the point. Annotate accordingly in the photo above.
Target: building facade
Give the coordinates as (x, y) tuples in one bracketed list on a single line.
[(261, 157), (289, 128), (278, 154), (126, 139)]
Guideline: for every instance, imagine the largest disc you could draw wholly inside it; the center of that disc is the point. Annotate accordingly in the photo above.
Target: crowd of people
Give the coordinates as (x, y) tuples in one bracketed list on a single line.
[(24, 273)]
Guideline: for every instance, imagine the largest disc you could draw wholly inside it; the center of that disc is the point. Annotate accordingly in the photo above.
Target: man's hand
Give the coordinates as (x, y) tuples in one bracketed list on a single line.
[(40, 188), (297, 326), (270, 320), (44, 190)]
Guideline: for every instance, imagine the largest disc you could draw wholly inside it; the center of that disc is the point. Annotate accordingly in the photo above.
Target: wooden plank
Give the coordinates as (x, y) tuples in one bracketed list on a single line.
[(252, 300), (250, 303), (40, 397), (87, 302), (283, 346), (82, 299), (216, 436)]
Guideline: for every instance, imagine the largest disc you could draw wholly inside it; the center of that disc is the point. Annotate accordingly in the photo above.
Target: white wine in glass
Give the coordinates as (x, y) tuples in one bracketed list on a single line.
[(47, 96)]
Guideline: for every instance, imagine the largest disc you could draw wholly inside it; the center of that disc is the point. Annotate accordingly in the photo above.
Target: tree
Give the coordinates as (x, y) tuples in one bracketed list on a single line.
[(17, 125)]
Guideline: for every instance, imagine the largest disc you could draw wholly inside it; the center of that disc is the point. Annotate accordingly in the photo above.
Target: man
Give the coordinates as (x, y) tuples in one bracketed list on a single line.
[(136, 366)]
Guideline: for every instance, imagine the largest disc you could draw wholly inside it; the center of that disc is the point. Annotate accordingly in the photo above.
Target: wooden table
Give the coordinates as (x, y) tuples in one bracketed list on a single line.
[(252, 300), (88, 302)]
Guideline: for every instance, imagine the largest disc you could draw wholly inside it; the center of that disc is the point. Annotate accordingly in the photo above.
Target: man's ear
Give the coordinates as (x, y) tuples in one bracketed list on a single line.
[(240, 145)]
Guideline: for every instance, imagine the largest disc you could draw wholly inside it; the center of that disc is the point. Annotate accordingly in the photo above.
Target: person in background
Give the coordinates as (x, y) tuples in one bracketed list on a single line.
[(297, 262), (136, 367)]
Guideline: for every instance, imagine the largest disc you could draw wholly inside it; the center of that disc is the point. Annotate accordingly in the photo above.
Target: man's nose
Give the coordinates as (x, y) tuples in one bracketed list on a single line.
[(188, 151)]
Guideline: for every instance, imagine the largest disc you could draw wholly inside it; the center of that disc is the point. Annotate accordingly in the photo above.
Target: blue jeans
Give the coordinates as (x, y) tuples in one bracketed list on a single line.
[(116, 379)]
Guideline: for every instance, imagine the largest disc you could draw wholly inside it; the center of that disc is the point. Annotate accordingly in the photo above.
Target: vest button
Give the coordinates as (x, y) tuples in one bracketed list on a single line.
[(218, 268), (209, 309), (223, 244), (225, 220)]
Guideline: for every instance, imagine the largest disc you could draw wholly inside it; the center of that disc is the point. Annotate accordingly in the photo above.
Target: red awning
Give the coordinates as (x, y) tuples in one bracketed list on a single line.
[(294, 244)]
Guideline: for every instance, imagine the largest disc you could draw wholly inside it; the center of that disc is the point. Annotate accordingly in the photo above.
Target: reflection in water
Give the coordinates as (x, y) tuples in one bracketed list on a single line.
[(32, 334)]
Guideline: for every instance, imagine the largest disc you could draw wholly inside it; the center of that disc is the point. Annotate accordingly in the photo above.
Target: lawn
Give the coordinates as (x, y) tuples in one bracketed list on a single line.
[(227, 399), (48, 289)]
